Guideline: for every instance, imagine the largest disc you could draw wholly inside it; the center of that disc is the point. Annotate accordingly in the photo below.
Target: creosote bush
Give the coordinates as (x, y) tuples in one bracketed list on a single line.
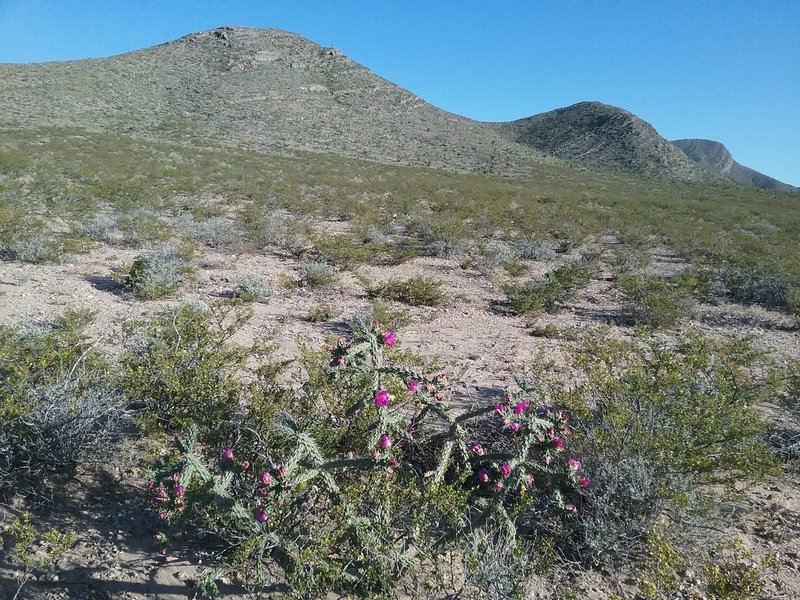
[(532, 297), (253, 288), (356, 492), (181, 370), (651, 301), (415, 291)]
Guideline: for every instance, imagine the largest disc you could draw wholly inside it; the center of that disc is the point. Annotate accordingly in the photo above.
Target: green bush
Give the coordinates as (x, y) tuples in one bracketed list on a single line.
[(322, 312), (651, 301), (180, 369), (415, 291), (662, 427), (532, 297)]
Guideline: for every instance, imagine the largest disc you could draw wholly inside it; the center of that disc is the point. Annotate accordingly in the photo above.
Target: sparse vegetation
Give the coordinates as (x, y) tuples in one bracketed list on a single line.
[(158, 274)]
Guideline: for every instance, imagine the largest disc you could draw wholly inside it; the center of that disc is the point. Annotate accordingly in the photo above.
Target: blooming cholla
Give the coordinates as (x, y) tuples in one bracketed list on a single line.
[(385, 443), (413, 386), (389, 338), (228, 453), (382, 398)]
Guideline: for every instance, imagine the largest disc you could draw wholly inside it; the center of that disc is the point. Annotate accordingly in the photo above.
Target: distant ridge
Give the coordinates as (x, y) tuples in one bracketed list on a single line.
[(264, 88), (604, 138), (716, 157)]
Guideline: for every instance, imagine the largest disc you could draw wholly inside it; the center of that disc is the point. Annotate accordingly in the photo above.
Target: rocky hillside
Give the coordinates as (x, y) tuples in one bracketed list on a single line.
[(263, 88), (716, 157), (602, 137)]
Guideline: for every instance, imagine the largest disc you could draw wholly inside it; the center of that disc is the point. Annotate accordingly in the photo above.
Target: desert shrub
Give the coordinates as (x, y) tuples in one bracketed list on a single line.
[(268, 228), (343, 250), (747, 286), (33, 246), (58, 404), (531, 297), (488, 256), (252, 288), (179, 369), (379, 311), (650, 300), (158, 274), (215, 231), (138, 227), (322, 312), (532, 248), (664, 429), (316, 275), (355, 491), (415, 291)]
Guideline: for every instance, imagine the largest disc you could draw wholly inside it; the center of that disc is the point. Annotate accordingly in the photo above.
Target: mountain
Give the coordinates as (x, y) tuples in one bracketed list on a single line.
[(604, 138), (266, 89), (716, 157)]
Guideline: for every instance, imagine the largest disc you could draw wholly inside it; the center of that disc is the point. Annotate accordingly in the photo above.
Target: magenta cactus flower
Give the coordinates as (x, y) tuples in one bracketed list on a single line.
[(477, 449), (382, 398), (157, 537), (498, 408), (547, 459), (498, 487), (385, 443), (483, 475), (520, 408), (180, 491), (265, 477), (572, 510), (389, 338), (413, 386), (163, 516), (505, 469), (514, 426), (583, 481), (228, 453), (176, 476), (574, 464), (282, 470), (260, 515), (558, 444), (245, 465)]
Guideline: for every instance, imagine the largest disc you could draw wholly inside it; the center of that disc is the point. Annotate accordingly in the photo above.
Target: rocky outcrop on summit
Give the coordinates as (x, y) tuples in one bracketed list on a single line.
[(602, 137), (267, 89), (716, 157)]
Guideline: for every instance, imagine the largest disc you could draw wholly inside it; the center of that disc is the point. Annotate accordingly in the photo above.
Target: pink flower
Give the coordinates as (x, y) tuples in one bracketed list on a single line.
[(583, 481), (150, 485), (180, 491), (483, 475), (558, 444), (161, 494), (574, 464), (282, 470), (413, 386), (514, 426), (265, 477), (260, 515), (498, 487), (163, 516), (572, 510), (385, 443), (176, 476), (547, 459), (520, 408), (228, 453), (477, 449), (498, 408), (375, 455), (382, 398), (389, 339), (390, 470), (531, 480), (245, 464), (505, 469), (157, 537)]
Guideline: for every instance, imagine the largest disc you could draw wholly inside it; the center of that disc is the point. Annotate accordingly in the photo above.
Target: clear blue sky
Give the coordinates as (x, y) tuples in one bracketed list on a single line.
[(728, 71)]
